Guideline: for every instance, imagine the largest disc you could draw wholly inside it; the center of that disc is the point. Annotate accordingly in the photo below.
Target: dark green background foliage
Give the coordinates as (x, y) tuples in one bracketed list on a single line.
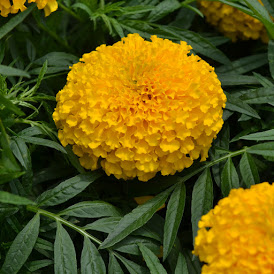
[(57, 217)]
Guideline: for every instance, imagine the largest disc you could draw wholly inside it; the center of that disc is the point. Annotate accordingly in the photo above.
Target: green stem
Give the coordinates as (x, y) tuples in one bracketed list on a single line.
[(63, 221), (69, 11), (210, 164)]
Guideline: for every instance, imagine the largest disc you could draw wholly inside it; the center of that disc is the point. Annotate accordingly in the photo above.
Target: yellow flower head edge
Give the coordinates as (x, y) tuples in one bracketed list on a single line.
[(7, 7), (139, 107), (232, 22), (237, 236)]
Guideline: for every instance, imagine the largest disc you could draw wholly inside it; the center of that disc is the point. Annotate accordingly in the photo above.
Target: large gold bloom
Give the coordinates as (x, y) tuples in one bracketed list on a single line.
[(7, 6), (232, 22), (237, 236), (140, 107)]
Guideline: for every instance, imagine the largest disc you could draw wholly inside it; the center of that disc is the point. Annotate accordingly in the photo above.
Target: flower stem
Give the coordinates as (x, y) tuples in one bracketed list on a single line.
[(69, 11), (63, 221)]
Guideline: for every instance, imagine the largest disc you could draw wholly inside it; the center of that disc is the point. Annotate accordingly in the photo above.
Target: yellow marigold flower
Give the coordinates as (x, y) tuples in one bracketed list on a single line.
[(140, 107), (7, 6), (232, 22), (237, 236)]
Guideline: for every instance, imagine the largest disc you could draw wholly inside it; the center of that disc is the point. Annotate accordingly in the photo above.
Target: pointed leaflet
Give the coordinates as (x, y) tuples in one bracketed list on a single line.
[(135, 219), (174, 214), (264, 149), (67, 189), (152, 261), (132, 267), (230, 178), (9, 198), (93, 209), (64, 253), (267, 135), (113, 265), (202, 199), (21, 247), (249, 170), (91, 260), (181, 266)]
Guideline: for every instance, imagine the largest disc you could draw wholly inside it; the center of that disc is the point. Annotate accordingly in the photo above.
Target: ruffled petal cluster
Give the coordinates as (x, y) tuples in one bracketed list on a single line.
[(232, 22), (7, 6), (139, 107), (237, 236)]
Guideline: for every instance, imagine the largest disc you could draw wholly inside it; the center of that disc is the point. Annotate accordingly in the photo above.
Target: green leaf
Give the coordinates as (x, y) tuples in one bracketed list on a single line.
[(9, 71), (228, 79), (64, 253), (36, 265), (202, 199), (9, 198), (67, 189), (21, 247), (113, 265), (43, 142), (130, 245), (15, 20), (135, 219), (152, 261), (116, 25), (10, 106), (199, 44), (91, 260), (174, 214), (258, 96), (244, 64), (181, 266), (91, 209), (57, 59), (271, 57), (104, 225), (235, 104), (132, 267), (21, 152), (249, 170), (230, 178), (267, 135), (264, 149), (162, 9)]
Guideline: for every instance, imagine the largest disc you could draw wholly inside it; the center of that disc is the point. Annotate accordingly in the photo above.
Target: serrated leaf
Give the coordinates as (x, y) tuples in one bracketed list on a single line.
[(57, 59), (249, 170), (116, 25), (91, 260), (152, 261), (181, 266), (36, 265), (258, 96), (130, 245), (9, 105), (113, 265), (228, 79), (14, 21), (9, 198), (162, 9), (264, 149), (132, 267), (230, 178), (271, 57), (9, 71), (64, 253), (67, 189), (21, 247), (267, 135), (43, 142), (104, 225), (91, 209), (174, 214), (235, 104), (202, 199), (135, 219)]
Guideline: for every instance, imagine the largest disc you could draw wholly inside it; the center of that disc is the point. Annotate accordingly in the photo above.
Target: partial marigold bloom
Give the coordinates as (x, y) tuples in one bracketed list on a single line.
[(139, 107), (7, 6), (237, 236), (234, 23)]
